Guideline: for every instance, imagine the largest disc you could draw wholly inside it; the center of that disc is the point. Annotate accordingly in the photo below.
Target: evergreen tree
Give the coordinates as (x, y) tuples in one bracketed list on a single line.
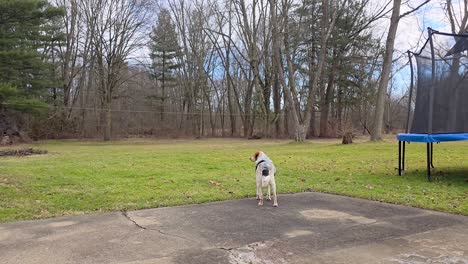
[(25, 74), (164, 51)]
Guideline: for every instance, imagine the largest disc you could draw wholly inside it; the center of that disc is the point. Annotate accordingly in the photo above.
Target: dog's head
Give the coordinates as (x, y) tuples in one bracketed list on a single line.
[(256, 156)]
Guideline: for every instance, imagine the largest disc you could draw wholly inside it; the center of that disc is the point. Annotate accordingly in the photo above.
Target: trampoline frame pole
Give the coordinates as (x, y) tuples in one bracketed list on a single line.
[(429, 160), (431, 104), (403, 158), (399, 158), (432, 154), (431, 92), (410, 92)]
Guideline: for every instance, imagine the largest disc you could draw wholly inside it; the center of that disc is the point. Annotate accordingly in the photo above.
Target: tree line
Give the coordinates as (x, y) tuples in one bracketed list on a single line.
[(203, 68)]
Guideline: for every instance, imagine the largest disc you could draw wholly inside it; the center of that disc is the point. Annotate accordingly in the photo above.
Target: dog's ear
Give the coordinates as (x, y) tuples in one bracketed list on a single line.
[(256, 155)]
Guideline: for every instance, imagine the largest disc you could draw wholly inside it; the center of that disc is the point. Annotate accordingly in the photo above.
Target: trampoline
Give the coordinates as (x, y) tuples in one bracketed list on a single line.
[(440, 109)]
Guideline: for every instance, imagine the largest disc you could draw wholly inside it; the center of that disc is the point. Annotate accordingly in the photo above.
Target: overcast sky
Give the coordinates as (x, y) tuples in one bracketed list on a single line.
[(412, 31)]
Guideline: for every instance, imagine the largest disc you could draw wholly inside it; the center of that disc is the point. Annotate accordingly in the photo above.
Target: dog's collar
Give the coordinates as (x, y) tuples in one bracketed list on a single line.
[(256, 167)]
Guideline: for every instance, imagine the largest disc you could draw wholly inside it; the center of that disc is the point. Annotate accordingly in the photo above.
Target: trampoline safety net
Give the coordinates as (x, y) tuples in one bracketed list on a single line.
[(442, 85)]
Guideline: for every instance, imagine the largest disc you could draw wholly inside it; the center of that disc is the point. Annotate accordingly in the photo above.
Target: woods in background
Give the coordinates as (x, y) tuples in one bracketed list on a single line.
[(203, 68)]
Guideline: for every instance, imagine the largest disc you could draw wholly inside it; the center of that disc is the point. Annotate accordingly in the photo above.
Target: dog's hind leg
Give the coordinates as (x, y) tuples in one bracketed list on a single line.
[(260, 194), (268, 194), (273, 187)]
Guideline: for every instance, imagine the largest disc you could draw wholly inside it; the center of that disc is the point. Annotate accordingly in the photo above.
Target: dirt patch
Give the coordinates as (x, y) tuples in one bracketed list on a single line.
[(22, 152)]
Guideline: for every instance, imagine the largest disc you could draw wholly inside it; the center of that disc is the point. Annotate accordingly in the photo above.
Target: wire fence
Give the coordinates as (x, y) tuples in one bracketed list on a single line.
[(91, 122), (71, 108)]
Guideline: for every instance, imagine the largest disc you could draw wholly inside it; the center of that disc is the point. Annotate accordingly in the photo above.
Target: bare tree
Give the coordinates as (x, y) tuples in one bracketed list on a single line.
[(117, 35), (387, 66), (458, 24), (261, 67)]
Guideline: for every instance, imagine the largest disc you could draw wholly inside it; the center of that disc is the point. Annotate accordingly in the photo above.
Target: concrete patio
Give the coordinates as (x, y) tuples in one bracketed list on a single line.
[(305, 228)]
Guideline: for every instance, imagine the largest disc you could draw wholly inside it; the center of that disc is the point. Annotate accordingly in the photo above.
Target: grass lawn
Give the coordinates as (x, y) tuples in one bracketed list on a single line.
[(84, 176)]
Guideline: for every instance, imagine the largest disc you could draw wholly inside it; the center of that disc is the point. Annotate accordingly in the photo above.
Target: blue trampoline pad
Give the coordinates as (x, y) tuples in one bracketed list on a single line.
[(432, 137)]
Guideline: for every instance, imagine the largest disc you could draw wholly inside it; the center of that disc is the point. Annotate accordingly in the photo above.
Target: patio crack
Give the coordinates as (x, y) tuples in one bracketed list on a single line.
[(226, 249), (125, 214), (250, 247)]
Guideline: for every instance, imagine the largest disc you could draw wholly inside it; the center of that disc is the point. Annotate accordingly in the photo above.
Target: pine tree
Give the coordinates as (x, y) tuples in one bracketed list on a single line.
[(25, 74), (164, 51)]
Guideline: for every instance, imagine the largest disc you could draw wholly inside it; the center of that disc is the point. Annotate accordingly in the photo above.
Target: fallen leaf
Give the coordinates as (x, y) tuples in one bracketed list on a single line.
[(215, 183)]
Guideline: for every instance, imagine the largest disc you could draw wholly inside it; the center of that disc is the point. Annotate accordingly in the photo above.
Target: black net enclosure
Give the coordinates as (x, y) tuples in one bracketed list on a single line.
[(441, 93)]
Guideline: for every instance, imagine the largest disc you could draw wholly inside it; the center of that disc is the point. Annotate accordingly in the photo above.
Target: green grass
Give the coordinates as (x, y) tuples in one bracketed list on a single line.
[(82, 177)]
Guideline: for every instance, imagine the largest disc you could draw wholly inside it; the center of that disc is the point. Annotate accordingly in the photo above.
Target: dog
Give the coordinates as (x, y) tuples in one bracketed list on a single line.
[(265, 175)]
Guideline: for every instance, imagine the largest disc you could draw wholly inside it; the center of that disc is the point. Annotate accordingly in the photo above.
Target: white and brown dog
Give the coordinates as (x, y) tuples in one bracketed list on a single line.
[(265, 175)]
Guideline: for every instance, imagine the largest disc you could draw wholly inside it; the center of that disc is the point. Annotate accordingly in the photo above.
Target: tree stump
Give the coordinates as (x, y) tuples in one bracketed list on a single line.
[(5, 140), (347, 138)]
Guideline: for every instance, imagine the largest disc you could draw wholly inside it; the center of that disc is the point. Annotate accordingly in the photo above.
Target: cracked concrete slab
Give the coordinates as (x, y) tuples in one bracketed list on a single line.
[(306, 228)]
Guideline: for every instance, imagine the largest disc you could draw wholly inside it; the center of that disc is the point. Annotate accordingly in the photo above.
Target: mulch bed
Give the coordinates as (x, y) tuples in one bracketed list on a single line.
[(21, 152)]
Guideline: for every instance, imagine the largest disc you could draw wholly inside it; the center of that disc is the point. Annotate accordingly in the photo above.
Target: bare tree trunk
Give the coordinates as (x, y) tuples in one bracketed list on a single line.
[(230, 98), (325, 106), (108, 121), (312, 132), (385, 76), (339, 109), (277, 104), (326, 31), (286, 120), (298, 128), (266, 95), (163, 92)]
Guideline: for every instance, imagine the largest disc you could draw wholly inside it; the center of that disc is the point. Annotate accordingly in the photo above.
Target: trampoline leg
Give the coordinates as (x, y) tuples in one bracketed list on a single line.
[(432, 154), (399, 158), (403, 158), (429, 154)]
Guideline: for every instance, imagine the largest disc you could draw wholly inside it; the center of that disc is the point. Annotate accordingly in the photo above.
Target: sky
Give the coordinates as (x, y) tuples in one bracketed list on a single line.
[(412, 33)]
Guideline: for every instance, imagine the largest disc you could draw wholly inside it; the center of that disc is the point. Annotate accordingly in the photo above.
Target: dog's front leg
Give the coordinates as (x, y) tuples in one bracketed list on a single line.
[(260, 194), (273, 187)]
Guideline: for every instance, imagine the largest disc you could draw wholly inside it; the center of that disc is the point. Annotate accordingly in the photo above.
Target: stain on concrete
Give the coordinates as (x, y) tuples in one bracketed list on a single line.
[(55, 236), (252, 254), (14, 234), (62, 223), (296, 233), (439, 246), (421, 259), (4, 235), (115, 240), (163, 260), (318, 214)]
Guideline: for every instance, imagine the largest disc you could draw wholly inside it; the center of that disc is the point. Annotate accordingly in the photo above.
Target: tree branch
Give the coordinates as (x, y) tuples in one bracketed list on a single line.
[(414, 9)]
